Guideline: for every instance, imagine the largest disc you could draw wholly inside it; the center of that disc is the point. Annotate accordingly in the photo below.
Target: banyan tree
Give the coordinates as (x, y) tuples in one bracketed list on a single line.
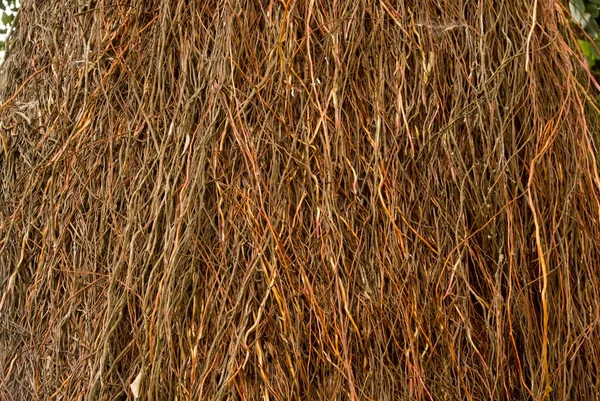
[(298, 200)]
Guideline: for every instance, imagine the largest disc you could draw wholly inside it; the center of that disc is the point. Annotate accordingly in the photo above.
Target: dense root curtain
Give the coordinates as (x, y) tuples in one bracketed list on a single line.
[(316, 200)]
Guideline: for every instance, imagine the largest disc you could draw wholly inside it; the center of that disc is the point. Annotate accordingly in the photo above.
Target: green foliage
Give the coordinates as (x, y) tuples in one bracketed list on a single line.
[(8, 11), (587, 14), (590, 51), (8, 8), (7, 19)]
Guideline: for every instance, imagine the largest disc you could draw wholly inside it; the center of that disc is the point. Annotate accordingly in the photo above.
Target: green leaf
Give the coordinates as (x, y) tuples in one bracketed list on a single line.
[(592, 28), (579, 5), (6, 19), (590, 51), (593, 10)]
